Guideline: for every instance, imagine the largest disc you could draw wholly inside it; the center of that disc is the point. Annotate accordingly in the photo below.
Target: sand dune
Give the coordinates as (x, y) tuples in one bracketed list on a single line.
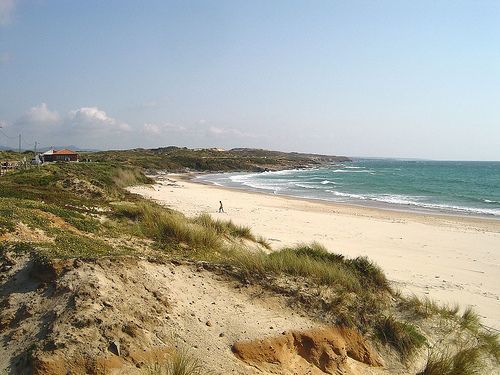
[(450, 259)]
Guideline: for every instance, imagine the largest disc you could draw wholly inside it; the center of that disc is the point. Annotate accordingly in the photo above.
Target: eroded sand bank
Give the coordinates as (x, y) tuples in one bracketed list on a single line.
[(450, 259)]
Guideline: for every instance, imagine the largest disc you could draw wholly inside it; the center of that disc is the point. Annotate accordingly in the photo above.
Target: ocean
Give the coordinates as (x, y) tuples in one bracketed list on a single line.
[(456, 187)]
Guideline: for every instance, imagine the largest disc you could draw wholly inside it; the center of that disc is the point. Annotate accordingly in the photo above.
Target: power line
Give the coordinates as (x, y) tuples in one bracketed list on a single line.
[(34, 145), (7, 136)]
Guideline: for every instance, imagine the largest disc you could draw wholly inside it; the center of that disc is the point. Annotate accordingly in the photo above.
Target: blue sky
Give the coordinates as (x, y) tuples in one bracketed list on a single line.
[(362, 78)]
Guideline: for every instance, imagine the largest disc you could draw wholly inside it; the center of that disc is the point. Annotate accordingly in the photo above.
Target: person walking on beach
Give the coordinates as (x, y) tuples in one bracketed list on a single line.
[(221, 209)]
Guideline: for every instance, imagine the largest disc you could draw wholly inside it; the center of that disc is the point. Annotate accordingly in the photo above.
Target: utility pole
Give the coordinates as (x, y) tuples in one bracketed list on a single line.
[(19, 143), (35, 146)]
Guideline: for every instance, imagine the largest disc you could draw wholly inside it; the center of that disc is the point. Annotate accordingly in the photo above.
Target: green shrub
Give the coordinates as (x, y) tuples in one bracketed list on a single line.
[(6, 225), (371, 274), (404, 337), (225, 227), (489, 341), (426, 307), (263, 242), (470, 320), (127, 210), (309, 261), (171, 227), (68, 245), (464, 362), (124, 177)]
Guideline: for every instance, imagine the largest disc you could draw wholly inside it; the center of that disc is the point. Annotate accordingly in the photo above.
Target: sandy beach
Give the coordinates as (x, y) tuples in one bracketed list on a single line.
[(448, 258)]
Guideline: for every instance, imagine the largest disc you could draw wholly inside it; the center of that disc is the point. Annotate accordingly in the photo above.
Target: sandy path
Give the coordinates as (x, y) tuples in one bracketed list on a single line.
[(451, 259)]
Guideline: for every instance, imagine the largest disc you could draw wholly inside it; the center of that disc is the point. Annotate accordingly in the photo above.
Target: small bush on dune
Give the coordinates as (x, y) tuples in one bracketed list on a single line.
[(240, 231), (470, 320), (128, 211), (490, 343), (130, 176), (310, 261), (298, 263), (208, 222), (426, 307), (225, 227), (365, 272), (181, 362), (68, 245), (264, 243), (318, 252), (402, 336), (464, 362), (370, 272), (167, 227)]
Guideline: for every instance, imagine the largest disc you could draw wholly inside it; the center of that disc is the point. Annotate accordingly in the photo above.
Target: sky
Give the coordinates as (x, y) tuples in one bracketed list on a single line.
[(407, 79)]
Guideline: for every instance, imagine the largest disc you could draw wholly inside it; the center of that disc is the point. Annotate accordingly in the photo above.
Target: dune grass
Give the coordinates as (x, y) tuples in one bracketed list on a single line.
[(489, 341), (169, 227), (426, 307), (99, 205), (180, 362), (464, 362), (207, 236), (470, 320), (313, 262), (404, 337), (225, 227), (468, 323)]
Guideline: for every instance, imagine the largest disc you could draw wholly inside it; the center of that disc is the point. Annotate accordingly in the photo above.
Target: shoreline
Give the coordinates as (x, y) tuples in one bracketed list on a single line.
[(390, 208), (385, 206), (452, 259)]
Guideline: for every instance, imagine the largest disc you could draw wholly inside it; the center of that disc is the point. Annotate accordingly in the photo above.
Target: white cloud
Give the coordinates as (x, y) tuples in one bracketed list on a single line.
[(93, 127), (152, 129), (41, 115), (85, 126), (220, 132), (156, 129), (6, 9), (93, 117)]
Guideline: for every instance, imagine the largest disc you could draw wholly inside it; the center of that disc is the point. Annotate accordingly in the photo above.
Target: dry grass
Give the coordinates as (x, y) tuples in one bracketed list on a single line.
[(172, 228), (464, 362), (313, 262), (181, 362), (127, 177), (404, 337), (470, 320), (169, 227), (225, 227), (490, 343), (263, 242), (426, 307)]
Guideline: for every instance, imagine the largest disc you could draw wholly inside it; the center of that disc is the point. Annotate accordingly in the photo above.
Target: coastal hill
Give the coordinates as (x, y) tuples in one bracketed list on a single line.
[(239, 159), (97, 280)]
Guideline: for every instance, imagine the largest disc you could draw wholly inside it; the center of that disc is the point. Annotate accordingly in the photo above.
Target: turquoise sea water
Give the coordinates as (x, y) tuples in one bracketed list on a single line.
[(471, 188)]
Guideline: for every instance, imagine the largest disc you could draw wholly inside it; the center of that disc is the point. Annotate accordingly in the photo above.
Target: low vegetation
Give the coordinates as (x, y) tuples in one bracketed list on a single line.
[(426, 307), (314, 263), (82, 210), (404, 337), (182, 159), (180, 362), (464, 362)]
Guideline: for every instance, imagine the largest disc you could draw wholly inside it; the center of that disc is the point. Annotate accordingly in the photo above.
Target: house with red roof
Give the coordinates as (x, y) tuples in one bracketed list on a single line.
[(59, 155)]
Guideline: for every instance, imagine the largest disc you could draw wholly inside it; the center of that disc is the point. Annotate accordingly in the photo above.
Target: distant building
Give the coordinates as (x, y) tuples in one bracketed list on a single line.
[(59, 155)]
